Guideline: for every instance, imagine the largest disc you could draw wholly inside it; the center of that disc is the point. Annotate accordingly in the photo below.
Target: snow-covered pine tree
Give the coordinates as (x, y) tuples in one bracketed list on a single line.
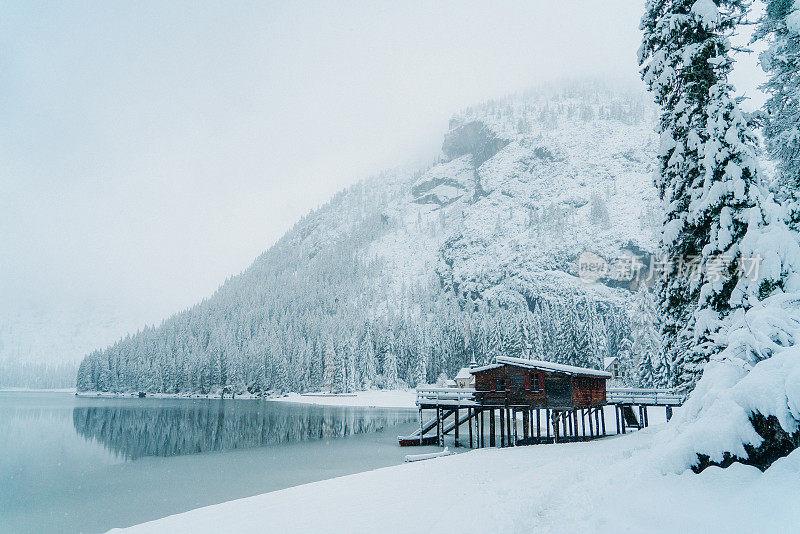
[(390, 369), (779, 27), (536, 336), (578, 350), (597, 337), (494, 341), (748, 321), (513, 336), (421, 372), (645, 372), (350, 377), (329, 376), (368, 357), (707, 174), (646, 345)]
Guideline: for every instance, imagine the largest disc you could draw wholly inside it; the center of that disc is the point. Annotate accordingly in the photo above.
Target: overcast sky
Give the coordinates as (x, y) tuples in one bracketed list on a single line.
[(148, 150)]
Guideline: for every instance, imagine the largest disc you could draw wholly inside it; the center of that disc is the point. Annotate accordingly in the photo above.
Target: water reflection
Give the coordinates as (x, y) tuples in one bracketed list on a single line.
[(135, 429)]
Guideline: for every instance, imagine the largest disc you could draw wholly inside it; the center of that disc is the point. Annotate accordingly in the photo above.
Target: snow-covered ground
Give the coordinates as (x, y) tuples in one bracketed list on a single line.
[(372, 398), (602, 486), (48, 390)]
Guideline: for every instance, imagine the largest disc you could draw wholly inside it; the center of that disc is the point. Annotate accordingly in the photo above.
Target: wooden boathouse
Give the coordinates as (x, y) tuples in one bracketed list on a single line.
[(553, 402)]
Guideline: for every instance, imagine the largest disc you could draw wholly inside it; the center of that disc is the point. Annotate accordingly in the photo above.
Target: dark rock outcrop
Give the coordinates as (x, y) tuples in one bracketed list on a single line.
[(473, 138)]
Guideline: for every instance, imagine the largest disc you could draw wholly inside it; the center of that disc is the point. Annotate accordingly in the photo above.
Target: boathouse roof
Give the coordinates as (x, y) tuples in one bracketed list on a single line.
[(545, 366), (463, 373)]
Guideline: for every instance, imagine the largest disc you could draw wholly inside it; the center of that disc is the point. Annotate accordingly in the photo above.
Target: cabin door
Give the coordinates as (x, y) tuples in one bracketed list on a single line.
[(558, 391)]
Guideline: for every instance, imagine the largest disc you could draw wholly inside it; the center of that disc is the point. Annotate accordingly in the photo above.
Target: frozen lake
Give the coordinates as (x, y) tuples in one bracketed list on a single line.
[(73, 464)]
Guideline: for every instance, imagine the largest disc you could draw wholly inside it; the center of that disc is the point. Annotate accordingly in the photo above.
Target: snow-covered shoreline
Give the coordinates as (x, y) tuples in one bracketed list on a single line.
[(399, 398), (609, 485), (37, 390)]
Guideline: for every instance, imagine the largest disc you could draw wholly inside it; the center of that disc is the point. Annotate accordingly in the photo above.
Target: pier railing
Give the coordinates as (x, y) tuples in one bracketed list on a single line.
[(645, 397), (446, 396), (638, 396)]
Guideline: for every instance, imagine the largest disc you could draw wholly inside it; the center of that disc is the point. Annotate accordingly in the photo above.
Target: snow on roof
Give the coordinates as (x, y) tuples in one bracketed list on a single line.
[(485, 367), (464, 372), (548, 366), (608, 361)]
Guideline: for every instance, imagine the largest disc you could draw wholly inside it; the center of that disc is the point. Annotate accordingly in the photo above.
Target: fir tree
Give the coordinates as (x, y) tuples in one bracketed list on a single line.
[(421, 374), (390, 369), (645, 371), (329, 377), (779, 27), (370, 368), (646, 344), (494, 341), (707, 175)]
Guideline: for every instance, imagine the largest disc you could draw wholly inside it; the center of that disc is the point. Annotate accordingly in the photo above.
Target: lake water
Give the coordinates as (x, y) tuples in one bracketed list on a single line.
[(75, 464)]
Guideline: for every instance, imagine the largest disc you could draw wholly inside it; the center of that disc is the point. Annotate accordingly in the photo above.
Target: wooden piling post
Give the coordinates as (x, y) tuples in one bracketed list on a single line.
[(583, 423), (616, 416), (603, 419), (571, 426), (556, 430), (502, 427), (455, 429), (669, 413), (483, 430), (530, 421), (597, 421), (438, 427), (420, 425), (509, 438), (492, 441), (547, 422), (479, 427), (538, 426), (514, 418), (469, 425), (575, 424), (525, 415)]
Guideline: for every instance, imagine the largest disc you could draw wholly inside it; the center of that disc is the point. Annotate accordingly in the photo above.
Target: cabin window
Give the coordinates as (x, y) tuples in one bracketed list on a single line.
[(532, 382), (502, 384), (517, 383)]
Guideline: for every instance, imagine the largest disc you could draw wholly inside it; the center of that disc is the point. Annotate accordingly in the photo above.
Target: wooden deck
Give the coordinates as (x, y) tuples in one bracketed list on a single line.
[(644, 397), (539, 424)]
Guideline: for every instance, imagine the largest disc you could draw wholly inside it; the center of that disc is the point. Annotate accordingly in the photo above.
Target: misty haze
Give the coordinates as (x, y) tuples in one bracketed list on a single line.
[(373, 267)]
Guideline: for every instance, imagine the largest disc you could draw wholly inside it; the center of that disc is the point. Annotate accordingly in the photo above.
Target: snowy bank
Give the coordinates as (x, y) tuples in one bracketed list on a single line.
[(757, 373), (611, 485), (373, 398)]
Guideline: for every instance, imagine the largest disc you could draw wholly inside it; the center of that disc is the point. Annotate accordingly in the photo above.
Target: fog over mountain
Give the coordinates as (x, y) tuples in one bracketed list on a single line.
[(412, 273), (139, 173)]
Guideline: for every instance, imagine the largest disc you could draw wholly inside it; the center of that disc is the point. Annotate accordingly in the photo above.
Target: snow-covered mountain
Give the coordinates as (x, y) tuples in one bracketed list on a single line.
[(409, 274)]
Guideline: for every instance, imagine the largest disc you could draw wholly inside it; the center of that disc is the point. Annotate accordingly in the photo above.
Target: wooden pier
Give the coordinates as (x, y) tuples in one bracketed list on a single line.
[(524, 412)]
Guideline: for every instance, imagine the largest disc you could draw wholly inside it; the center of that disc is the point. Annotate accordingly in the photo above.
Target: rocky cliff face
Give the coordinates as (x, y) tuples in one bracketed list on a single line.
[(526, 186)]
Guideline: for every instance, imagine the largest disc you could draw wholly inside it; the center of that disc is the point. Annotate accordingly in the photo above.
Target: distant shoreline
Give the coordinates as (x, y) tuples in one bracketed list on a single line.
[(42, 390), (371, 398)]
